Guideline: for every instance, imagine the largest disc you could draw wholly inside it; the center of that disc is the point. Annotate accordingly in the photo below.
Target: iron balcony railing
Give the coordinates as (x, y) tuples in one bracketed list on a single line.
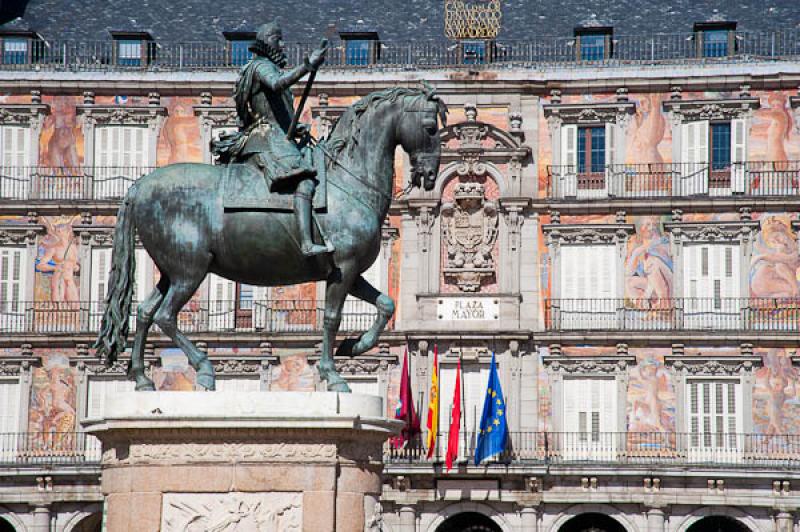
[(659, 180), (68, 183), (668, 314), (198, 316), (534, 52), (48, 449), (711, 449)]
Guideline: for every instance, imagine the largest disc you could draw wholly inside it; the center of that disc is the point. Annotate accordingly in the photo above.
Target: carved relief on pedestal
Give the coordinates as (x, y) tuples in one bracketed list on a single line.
[(232, 512), (469, 233)]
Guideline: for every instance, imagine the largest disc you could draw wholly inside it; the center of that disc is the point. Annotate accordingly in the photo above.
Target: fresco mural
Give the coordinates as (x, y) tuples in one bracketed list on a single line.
[(51, 414), (651, 393), (776, 396), (588, 350), (773, 134), (393, 389), (293, 374), (649, 268), (175, 374), (648, 136), (179, 141), (545, 394), (775, 261), (58, 261), (62, 141)]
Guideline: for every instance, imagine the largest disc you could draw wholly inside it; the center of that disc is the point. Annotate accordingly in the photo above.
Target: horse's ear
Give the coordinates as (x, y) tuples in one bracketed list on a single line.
[(429, 90)]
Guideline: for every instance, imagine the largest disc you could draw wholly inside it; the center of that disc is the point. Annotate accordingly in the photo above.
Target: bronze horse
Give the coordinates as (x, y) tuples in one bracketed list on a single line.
[(177, 211)]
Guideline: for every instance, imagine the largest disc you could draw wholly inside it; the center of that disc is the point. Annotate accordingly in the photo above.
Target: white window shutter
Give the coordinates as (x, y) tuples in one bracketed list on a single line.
[(694, 150), (101, 266), (569, 160), (14, 162), (121, 155), (13, 279), (145, 275), (571, 397), (738, 155), (9, 407), (221, 302)]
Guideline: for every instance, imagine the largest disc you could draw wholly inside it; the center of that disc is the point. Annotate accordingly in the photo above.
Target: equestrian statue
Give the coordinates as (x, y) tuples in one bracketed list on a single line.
[(262, 216)]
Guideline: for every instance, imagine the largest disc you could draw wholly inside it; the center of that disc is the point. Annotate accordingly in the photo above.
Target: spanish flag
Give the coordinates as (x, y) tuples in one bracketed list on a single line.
[(433, 404)]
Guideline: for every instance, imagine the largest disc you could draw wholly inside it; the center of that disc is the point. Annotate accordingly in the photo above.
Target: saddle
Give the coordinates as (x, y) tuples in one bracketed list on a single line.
[(244, 188)]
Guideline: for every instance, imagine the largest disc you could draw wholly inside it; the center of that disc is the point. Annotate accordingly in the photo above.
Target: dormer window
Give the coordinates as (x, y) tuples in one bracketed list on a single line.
[(239, 43), (715, 39), (133, 48), (360, 48), (593, 43), (474, 52), (19, 47)]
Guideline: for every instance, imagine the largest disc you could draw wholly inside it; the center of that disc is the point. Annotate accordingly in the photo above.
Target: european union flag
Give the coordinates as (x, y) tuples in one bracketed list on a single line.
[(493, 434)]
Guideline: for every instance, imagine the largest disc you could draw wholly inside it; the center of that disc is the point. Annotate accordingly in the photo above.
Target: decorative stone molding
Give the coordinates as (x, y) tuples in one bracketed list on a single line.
[(226, 512), (326, 115), (95, 235), (118, 368), (237, 366), (13, 367), (477, 143), (468, 353), (707, 366), (596, 365), (122, 115), (469, 227), (681, 111), (357, 366), (739, 230), (216, 116), (19, 234), (587, 233), (172, 453), (425, 220), (24, 114), (616, 112), (513, 214)]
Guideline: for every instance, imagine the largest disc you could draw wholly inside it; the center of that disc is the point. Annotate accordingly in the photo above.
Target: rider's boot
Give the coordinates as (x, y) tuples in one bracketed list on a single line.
[(302, 212)]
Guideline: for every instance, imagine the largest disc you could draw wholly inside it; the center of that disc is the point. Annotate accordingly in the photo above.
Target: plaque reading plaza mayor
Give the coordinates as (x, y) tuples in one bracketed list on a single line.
[(468, 309)]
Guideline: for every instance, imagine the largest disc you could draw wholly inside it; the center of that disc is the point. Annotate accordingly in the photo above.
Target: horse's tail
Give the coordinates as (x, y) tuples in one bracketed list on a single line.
[(113, 336)]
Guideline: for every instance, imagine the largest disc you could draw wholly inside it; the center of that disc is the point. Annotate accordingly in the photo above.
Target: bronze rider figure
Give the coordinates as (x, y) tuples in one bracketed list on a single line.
[(265, 107)]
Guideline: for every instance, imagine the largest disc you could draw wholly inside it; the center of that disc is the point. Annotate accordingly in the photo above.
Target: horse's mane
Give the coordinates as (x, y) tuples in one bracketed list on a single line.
[(346, 129)]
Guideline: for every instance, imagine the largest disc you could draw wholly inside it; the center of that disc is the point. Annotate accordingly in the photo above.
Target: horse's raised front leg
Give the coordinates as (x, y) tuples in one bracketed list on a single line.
[(166, 317), (144, 320), (366, 292), (336, 289)]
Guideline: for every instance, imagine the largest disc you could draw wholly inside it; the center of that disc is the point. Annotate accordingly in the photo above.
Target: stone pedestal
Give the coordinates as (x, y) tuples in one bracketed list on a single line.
[(234, 461)]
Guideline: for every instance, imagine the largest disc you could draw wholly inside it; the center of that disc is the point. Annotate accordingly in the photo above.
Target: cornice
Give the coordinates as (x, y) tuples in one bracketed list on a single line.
[(118, 114), (23, 113), (217, 116), (589, 112), (711, 231), (712, 366), (593, 365), (587, 233), (722, 109), (20, 234)]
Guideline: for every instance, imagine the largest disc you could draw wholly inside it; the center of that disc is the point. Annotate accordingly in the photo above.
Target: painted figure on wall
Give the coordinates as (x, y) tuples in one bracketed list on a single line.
[(52, 407), (648, 130), (58, 261), (294, 374), (175, 373), (775, 264), (61, 139), (179, 141), (776, 395), (651, 396), (393, 391), (648, 267)]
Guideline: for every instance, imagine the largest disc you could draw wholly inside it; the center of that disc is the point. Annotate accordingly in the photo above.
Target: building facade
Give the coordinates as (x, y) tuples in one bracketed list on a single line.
[(615, 218)]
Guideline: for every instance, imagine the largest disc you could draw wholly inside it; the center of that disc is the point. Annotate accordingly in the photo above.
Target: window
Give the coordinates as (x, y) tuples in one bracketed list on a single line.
[(589, 414), (588, 286), (234, 305), (714, 156), (13, 283), (15, 50), (357, 52), (361, 48), (593, 43), (9, 418), (121, 157), (715, 418), (474, 52), (240, 51), (593, 47), (711, 286), (358, 315), (129, 52), (586, 155), (14, 162), (100, 269), (715, 43), (474, 379)]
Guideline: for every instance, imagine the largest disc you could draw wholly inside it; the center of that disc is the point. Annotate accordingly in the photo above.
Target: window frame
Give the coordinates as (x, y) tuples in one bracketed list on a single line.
[(605, 32), (372, 41), (702, 30), (234, 38), (144, 41)]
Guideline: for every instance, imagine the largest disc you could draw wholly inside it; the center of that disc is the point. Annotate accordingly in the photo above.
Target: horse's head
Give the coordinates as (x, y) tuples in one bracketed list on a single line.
[(418, 134)]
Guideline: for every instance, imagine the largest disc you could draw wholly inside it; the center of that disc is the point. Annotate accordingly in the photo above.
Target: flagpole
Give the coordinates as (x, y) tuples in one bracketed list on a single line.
[(438, 399), (463, 406)]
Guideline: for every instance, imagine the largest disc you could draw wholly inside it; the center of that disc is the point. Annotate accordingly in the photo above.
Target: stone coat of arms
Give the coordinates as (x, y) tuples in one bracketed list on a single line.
[(469, 226)]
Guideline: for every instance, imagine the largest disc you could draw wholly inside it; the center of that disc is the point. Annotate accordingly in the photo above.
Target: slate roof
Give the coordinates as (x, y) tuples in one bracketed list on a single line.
[(394, 20)]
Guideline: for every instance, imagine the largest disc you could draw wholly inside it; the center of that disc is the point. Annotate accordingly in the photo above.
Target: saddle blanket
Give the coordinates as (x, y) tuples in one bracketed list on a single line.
[(244, 188)]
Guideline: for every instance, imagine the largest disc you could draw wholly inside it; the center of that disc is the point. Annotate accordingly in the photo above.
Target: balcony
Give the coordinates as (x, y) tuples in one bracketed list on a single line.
[(666, 180), (674, 314), (47, 449), (664, 449), (59, 183), (101, 56), (265, 316)]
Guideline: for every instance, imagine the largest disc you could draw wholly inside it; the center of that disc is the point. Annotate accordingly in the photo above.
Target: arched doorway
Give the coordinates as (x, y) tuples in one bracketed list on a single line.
[(90, 523), (717, 523), (592, 522), (468, 522), (5, 526)]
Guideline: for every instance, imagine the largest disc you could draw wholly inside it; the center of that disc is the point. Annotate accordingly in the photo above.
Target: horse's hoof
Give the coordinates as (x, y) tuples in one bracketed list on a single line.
[(340, 386)]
